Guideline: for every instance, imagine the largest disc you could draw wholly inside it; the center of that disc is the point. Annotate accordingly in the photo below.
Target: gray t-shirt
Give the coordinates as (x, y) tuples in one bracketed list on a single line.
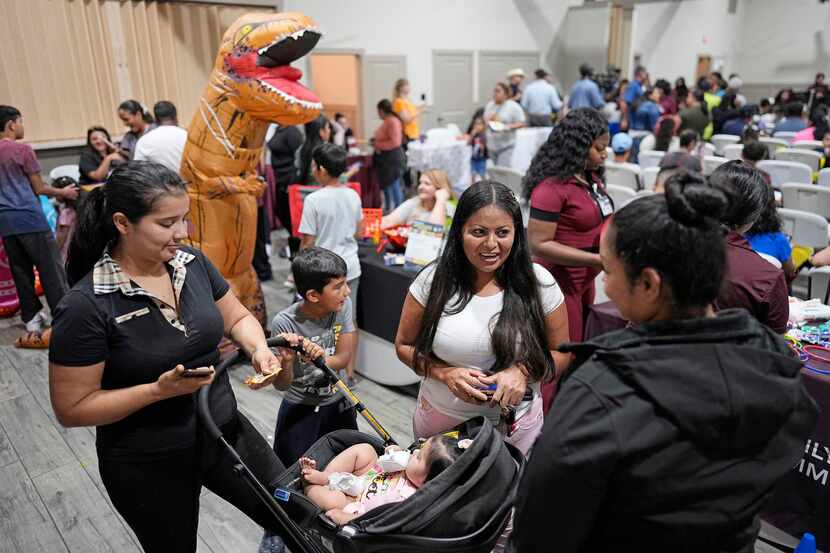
[(309, 386), (333, 214), (411, 210), (508, 112)]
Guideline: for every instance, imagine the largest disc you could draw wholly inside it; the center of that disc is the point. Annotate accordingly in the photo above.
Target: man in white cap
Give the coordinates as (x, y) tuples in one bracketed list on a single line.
[(515, 78)]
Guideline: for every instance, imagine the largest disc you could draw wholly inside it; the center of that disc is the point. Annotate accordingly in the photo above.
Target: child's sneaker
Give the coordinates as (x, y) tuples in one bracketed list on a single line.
[(37, 323)]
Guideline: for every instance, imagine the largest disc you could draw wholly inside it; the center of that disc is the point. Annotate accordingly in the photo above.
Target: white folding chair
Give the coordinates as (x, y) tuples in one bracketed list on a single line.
[(803, 228), (773, 144), (733, 151), (620, 195), (621, 175), (648, 143), (806, 229), (720, 141), (824, 177), (650, 158), (806, 197), (807, 157), (787, 136), (786, 171), (808, 144), (649, 178), (710, 163), (708, 149), (65, 171)]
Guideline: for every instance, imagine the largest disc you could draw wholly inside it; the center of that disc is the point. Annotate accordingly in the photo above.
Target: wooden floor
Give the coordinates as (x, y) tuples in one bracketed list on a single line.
[(52, 499)]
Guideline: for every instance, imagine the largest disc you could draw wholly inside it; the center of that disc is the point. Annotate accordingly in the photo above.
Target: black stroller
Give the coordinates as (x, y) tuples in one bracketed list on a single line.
[(463, 510)]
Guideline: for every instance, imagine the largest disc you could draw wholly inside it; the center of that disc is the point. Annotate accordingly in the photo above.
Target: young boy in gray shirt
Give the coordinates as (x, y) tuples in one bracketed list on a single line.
[(312, 406)]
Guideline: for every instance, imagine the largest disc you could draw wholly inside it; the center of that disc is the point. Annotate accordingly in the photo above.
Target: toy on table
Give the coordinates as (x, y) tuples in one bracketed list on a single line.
[(371, 224), (397, 237)]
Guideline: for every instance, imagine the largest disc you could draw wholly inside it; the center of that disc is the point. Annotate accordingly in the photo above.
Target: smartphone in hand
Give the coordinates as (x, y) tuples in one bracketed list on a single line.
[(197, 373)]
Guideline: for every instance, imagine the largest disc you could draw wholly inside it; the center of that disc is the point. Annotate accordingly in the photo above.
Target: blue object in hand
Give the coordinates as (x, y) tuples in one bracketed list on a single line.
[(807, 544)]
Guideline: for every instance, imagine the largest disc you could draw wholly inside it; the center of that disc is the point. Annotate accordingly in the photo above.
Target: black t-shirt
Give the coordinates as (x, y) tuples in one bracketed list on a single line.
[(137, 344), (90, 161)]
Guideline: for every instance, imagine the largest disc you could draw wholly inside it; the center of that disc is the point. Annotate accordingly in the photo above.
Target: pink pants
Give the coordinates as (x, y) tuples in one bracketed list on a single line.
[(427, 421)]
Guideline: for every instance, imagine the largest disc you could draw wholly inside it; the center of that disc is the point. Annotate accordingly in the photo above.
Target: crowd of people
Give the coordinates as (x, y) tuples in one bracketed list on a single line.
[(494, 327)]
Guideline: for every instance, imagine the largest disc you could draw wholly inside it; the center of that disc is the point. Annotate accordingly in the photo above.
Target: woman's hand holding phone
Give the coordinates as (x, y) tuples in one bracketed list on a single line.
[(179, 381), (510, 386)]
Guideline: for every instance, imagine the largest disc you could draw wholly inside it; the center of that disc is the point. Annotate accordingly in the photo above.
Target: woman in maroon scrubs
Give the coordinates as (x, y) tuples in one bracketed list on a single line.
[(568, 205)]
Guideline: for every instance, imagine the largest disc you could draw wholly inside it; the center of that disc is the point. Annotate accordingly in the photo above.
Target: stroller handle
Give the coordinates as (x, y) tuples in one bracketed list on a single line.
[(280, 342)]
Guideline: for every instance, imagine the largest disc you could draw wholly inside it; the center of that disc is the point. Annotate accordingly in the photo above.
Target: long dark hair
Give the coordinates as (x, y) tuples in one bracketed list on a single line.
[(385, 107), (665, 132), (131, 189), (769, 222), (519, 333), (133, 107), (818, 118), (700, 97), (681, 91), (646, 232), (312, 140), (566, 150), (89, 132), (747, 190)]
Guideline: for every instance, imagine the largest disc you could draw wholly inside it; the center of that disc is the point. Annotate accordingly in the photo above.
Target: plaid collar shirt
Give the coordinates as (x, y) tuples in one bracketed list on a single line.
[(107, 278)]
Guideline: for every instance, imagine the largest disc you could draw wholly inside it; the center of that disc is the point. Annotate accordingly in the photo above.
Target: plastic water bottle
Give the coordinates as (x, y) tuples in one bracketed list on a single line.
[(807, 544)]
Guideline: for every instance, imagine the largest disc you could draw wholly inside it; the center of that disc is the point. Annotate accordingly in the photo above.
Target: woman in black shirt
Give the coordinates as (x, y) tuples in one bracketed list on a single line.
[(143, 312), (98, 157)]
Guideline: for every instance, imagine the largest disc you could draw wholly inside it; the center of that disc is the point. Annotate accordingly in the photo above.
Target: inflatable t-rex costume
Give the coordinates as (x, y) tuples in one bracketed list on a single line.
[(251, 85)]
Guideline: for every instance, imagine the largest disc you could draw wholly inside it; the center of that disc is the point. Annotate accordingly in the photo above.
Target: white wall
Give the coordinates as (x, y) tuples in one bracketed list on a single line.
[(670, 35), (767, 42), (783, 42), (414, 29)]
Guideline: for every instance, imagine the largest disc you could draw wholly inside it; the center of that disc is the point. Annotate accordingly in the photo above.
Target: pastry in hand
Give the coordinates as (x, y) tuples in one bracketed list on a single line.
[(259, 379)]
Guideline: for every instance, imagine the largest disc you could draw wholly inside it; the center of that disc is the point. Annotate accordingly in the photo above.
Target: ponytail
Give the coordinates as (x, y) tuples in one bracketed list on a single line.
[(93, 231), (132, 190), (133, 107)]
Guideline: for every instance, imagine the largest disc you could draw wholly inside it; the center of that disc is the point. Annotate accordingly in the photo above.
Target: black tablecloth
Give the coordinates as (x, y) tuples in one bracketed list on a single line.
[(381, 294), (801, 500)]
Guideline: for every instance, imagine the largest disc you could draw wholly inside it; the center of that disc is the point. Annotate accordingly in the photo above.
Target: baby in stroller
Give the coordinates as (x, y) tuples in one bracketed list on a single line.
[(357, 480)]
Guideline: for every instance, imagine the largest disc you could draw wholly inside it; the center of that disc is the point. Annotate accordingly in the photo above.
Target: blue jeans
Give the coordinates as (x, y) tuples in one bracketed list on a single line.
[(393, 195), (479, 167)]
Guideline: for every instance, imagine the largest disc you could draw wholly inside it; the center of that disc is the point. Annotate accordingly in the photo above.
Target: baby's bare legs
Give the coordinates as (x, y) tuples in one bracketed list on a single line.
[(356, 460)]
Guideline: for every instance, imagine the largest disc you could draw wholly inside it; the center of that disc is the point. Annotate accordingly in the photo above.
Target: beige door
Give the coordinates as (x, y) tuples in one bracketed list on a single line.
[(452, 87), (379, 76), (336, 80)]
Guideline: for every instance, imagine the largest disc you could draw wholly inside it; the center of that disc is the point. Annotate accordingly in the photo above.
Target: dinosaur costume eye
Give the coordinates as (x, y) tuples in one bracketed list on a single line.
[(243, 31)]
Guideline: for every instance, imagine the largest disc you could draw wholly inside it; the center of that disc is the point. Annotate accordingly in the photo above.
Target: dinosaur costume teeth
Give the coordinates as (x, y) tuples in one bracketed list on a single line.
[(251, 85)]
